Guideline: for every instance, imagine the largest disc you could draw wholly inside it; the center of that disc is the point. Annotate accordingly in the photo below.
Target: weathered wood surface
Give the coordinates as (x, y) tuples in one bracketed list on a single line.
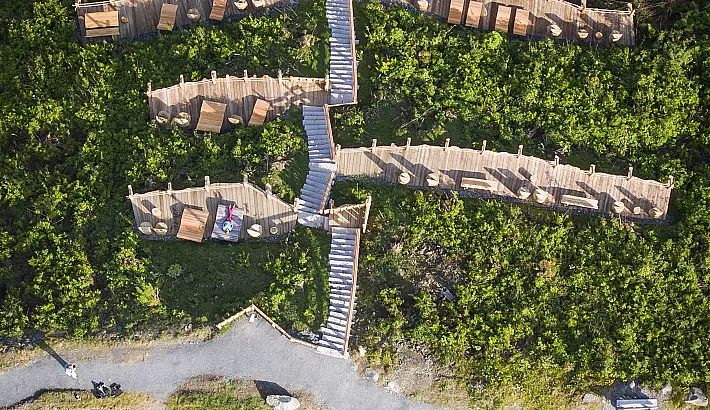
[(507, 172), (568, 16), (140, 17), (259, 207), (240, 94), (349, 216)]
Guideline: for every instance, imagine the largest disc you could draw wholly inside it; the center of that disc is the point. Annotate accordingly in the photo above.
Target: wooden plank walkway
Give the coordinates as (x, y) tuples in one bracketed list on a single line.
[(260, 206), (509, 175), (140, 17), (239, 93), (349, 216), (567, 16)]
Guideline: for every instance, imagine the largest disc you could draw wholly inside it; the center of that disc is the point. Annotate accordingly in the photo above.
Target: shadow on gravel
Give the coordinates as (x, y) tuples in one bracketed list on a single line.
[(270, 388), (37, 395)]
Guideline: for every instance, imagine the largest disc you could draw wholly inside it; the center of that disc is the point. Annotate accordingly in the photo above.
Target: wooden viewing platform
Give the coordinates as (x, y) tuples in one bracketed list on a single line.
[(539, 18), (545, 183), (274, 216), (240, 94), (349, 216), (134, 18)]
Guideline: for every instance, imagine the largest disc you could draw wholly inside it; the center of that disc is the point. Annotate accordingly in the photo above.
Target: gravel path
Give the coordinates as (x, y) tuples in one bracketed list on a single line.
[(249, 350)]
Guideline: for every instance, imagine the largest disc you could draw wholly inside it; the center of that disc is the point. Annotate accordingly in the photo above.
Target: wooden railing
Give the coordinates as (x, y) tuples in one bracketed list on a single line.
[(356, 252)]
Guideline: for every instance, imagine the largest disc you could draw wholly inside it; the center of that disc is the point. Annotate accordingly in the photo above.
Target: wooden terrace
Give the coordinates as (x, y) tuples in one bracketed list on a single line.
[(158, 213), (539, 18), (131, 19), (518, 176), (183, 102)]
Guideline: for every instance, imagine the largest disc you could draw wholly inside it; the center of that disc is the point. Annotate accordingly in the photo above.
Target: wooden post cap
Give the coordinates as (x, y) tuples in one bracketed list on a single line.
[(523, 192), (404, 178), (432, 179), (540, 196), (618, 207)]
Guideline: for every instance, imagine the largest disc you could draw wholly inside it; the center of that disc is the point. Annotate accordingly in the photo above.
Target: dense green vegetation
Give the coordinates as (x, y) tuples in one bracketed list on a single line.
[(74, 132), (532, 292)]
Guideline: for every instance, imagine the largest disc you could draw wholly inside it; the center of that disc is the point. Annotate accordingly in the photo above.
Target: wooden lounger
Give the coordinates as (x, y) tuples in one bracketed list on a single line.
[(192, 225), (503, 18), (475, 11), (455, 11), (211, 116), (522, 22), (101, 24), (258, 116), (168, 14), (477, 183), (580, 201), (218, 8)]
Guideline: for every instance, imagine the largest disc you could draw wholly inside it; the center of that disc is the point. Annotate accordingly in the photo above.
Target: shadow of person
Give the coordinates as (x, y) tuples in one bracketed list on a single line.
[(39, 342), (270, 388)]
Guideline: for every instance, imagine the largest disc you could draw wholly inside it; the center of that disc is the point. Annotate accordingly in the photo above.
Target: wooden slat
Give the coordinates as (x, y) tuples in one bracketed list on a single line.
[(473, 15), (455, 11), (503, 18), (522, 21), (101, 19), (211, 116), (258, 116), (218, 8), (168, 15), (102, 32)]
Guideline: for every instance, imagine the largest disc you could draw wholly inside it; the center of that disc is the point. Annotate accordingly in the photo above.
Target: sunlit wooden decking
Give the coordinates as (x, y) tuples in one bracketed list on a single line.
[(349, 216), (535, 18), (240, 94), (140, 17), (545, 183), (275, 216)]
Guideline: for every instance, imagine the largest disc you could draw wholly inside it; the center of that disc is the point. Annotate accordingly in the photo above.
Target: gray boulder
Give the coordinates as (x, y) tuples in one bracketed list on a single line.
[(696, 397), (283, 402)]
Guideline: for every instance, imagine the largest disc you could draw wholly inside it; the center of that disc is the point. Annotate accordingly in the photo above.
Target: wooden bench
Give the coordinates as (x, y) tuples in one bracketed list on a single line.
[(477, 183), (455, 11), (258, 115), (211, 116), (168, 15), (474, 14), (101, 24), (521, 23), (503, 18), (192, 224), (580, 201), (218, 8)]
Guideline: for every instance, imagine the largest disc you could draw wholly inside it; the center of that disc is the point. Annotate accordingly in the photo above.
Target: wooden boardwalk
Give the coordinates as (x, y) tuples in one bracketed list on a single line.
[(509, 175), (140, 17), (570, 18), (239, 93), (275, 216)]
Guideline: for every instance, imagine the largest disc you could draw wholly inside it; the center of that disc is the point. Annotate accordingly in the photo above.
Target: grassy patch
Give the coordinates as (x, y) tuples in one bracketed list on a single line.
[(72, 399), (210, 280), (215, 393)]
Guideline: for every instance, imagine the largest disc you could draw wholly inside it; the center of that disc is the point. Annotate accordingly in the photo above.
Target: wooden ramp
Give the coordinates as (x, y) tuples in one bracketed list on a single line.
[(136, 18), (239, 94), (525, 178), (534, 18), (260, 207)]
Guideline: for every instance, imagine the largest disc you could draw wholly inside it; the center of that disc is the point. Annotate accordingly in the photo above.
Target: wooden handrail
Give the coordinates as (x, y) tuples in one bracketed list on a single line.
[(356, 253)]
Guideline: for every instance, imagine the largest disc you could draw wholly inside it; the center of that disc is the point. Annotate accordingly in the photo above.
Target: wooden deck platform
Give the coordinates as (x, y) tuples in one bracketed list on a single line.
[(349, 216), (260, 207), (509, 16), (140, 17), (546, 183), (240, 94)]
